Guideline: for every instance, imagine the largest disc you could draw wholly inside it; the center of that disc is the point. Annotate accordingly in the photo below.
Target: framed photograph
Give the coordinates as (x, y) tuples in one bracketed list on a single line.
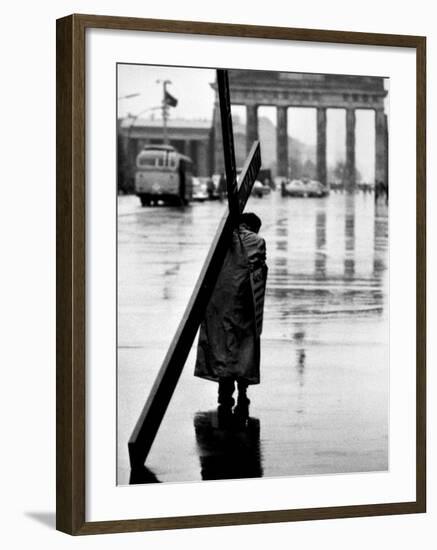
[(240, 274)]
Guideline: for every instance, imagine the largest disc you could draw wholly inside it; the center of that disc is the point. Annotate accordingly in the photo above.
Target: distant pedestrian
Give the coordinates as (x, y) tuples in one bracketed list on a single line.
[(228, 350), (222, 187), (210, 188)]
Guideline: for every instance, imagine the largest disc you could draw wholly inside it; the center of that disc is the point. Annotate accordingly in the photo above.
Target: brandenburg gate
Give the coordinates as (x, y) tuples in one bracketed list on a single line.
[(254, 89)]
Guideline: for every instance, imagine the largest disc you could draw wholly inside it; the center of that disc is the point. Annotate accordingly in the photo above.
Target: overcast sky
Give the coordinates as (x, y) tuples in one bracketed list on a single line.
[(195, 98)]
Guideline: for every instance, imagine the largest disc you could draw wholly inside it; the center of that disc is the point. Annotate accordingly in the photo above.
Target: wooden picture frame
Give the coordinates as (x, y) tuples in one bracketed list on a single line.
[(71, 275)]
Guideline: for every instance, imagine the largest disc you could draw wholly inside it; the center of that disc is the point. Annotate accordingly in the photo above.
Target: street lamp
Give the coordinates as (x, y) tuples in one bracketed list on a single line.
[(128, 96)]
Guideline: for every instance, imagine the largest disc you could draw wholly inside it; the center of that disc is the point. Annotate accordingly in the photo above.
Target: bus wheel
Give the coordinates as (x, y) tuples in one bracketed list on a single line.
[(145, 201)]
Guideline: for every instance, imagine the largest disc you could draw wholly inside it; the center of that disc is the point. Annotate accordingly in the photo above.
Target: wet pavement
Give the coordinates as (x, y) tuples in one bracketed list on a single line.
[(322, 405)]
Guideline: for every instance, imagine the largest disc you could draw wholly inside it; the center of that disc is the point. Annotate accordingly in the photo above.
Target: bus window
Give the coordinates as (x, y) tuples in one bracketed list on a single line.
[(152, 159), (147, 159), (160, 160), (172, 160)]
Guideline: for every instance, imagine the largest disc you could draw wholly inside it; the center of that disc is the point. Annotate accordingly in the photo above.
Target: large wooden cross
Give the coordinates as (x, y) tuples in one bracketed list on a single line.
[(238, 193)]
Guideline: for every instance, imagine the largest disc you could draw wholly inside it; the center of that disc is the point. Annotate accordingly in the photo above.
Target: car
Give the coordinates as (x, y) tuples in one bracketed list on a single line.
[(208, 184), (200, 190), (217, 190), (293, 188), (265, 176), (259, 190), (305, 187)]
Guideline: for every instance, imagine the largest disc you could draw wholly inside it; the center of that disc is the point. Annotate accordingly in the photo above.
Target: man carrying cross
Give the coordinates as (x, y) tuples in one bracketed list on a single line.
[(237, 246), (229, 341)]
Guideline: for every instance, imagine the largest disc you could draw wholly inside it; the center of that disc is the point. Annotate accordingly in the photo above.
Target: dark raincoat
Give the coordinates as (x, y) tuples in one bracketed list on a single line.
[(228, 345)]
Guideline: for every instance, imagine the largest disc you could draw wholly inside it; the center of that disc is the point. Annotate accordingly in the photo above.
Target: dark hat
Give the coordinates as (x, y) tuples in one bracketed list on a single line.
[(252, 221)]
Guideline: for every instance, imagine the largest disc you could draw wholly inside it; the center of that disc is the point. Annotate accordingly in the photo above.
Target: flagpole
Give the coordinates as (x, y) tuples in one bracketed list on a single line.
[(164, 113), (164, 110)]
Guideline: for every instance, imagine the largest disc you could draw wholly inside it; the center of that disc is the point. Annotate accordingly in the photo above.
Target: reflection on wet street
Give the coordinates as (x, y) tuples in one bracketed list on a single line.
[(322, 405), (227, 450)]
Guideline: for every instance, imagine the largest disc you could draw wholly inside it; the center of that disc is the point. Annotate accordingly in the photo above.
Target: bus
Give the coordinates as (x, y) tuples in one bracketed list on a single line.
[(163, 174)]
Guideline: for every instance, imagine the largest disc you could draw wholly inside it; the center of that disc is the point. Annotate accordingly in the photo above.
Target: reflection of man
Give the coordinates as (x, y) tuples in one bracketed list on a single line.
[(224, 453), (229, 342)]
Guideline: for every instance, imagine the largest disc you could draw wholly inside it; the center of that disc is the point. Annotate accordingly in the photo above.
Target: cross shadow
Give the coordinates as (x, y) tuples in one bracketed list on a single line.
[(45, 518), (230, 448)]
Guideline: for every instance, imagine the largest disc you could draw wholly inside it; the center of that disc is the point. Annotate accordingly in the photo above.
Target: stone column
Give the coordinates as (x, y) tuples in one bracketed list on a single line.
[(187, 147), (251, 125), (193, 153), (132, 152), (350, 149), (122, 154), (281, 142), (132, 148), (381, 150), (202, 158), (217, 140), (321, 145)]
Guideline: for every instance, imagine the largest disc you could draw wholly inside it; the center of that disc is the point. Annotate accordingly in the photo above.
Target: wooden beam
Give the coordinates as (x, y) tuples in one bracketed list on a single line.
[(228, 142)]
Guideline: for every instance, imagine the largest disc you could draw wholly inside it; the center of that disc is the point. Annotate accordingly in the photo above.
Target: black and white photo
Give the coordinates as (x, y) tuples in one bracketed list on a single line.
[(289, 373)]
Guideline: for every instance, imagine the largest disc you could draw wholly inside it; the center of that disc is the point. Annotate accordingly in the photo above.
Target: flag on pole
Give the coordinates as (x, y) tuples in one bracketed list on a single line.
[(170, 100)]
